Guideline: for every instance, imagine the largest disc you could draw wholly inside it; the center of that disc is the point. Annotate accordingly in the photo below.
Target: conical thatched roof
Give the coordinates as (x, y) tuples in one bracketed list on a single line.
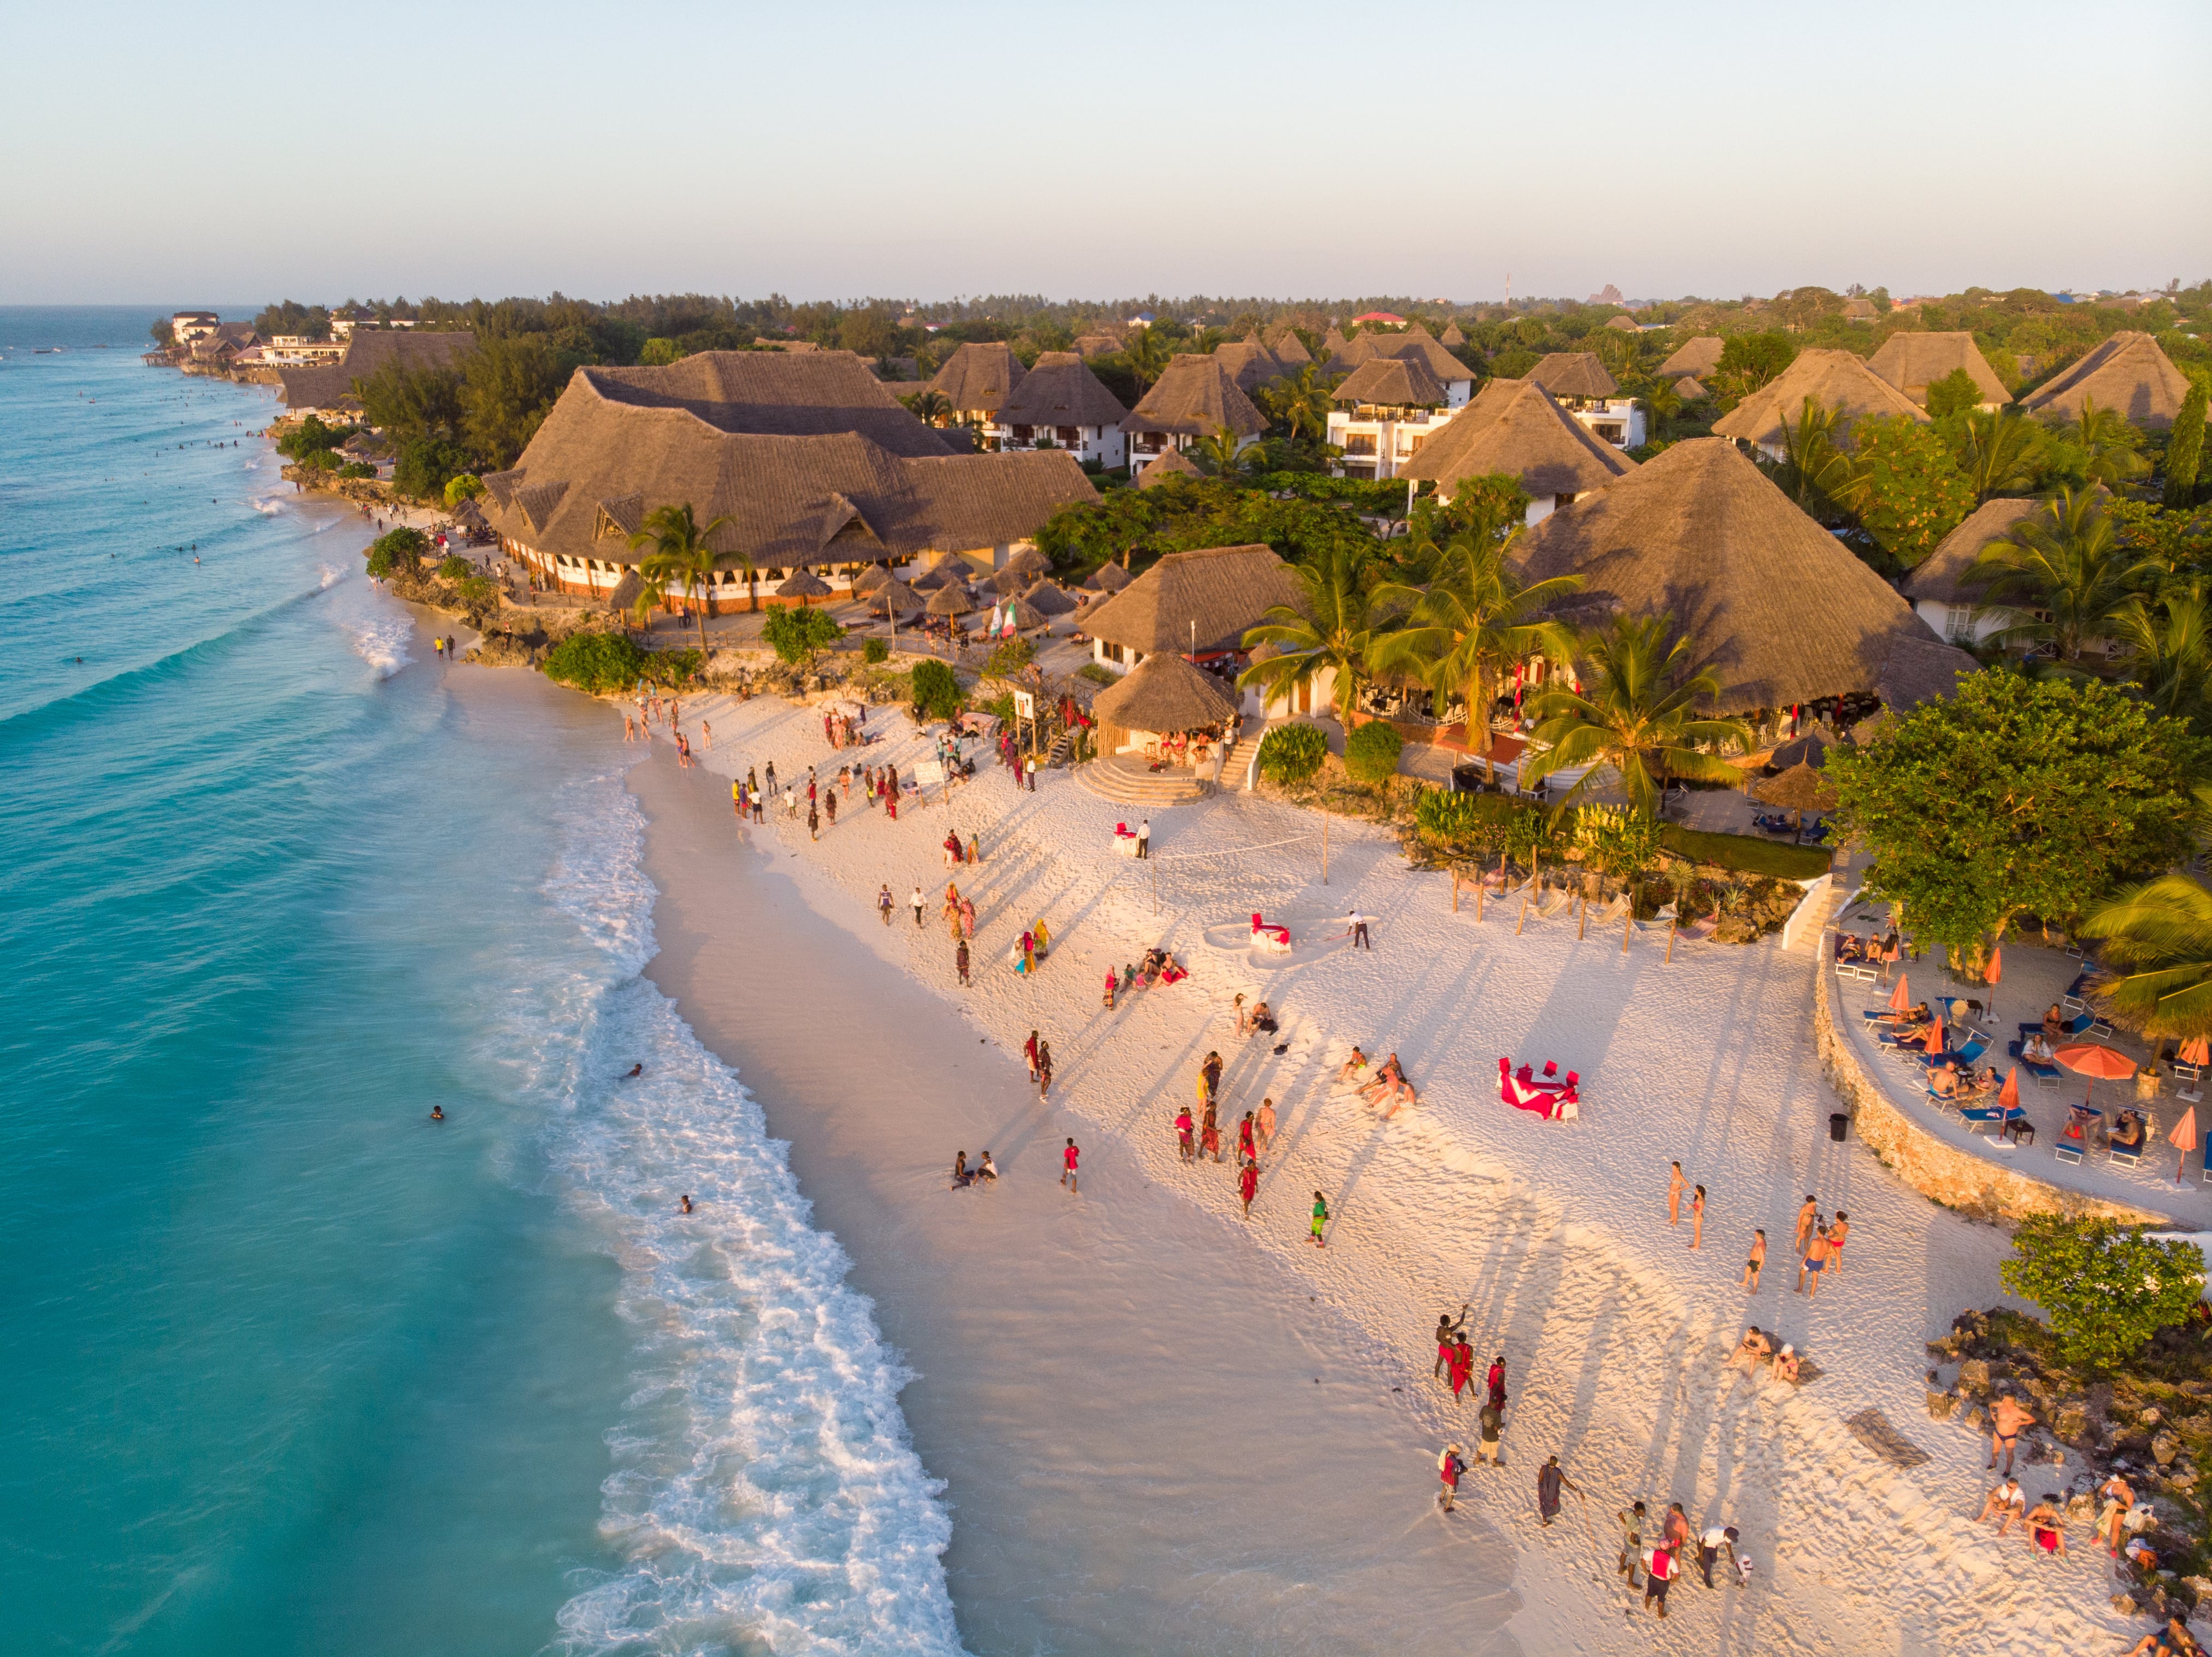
[(1688, 388), (1391, 382), (1574, 373), (1290, 350), (1799, 788), (938, 576), (1415, 345), (1027, 615), (1196, 397), (1161, 467), (2128, 372), (1914, 361), (1451, 336), (1163, 692), (1108, 578), (1699, 355), (870, 579), (979, 377), (1201, 600), (1031, 561), (1513, 426), (951, 599), (627, 591), (1810, 749), (1008, 581), (805, 584), (1938, 578), (1623, 323), (1050, 600), (1833, 379), (1777, 608), (894, 597), (1059, 390), (1333, 343), (1249, 362)]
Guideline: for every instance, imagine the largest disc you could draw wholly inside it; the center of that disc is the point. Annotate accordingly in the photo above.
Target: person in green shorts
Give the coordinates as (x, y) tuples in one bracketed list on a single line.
[(1320, 1220)]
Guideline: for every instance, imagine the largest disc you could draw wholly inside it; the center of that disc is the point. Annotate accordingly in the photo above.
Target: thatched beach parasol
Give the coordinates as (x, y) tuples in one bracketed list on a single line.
[(1800, 788), (870, 578), (1030, 562), (1027, 615), (930, 580), (894, 597), (1163, 692), (1009, 581), (1810, 749), (1107, 578), (805, 584), (1048, 599), (950, 600)]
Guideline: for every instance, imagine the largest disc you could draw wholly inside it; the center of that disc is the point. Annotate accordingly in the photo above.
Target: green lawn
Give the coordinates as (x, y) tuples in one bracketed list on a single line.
[(1745, 852)]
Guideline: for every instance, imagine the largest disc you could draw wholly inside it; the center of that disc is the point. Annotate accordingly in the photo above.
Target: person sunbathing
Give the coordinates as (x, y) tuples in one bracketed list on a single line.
[(1785, 1364), (2054, 1022), (2046, 1529), (1387, 1078), (2037, 1051), (1352, 1066), (1943, 1081), (1752, 1351), (1263, 1019), (2129, 1134)]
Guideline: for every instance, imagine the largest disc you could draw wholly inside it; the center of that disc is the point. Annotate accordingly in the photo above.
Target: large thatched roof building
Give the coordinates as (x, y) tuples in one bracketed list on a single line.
[(1838, 379), (1937, 588), (1514, 427), (1162, 694), (1390, 382), (1416, 343), (803, 488), (1697, 356), (1061, 403), (977, 379), (1194, 399), (1779, 611), (1914, 361), (1249, 362), (326, 388), (2128, 372), (1197, 603), (1575, 374)]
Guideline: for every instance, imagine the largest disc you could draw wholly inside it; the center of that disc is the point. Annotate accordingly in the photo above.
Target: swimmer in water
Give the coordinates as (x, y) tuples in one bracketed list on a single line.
[(686, 1201), (437, 1113), (635, 1071)]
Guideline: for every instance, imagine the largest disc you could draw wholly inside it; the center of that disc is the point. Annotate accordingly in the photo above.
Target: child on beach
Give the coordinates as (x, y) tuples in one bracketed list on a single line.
[(1182, 1127), (1320, 1220)]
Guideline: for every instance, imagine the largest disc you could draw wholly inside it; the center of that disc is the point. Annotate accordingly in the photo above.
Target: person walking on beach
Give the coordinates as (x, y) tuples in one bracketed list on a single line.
[(829, 806), (960, 961), (1490, 1425), (1448, 1334), (1449, 1466), (1632, 1520), (1698, 1219), (1815, 1260), (1756, 1263), (1658, 1576), (736, 796), (1496, 1380), (1838, 1229), (1675, 1186), (1044, 1069), (1145, 838), (2008, 1418), (1717, 1540), (1112, 979), (1209, 1135), (1320, 1220), (1808, 1217), (1549, 1478), (1264, 1122), (1247, 1150), (884, 903), (916, 901), (1248, 1186), (771, 777), (1182, 1127), (790, 801), (1461, 1367), (813, 824), (1067, 1159), (1030, 1052)]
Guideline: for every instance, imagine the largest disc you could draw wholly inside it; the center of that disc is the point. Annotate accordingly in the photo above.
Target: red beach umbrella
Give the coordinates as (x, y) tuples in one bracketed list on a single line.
[(1936, 1034), (1901, 997), (2097, 1063), (2184, 1135), (2009, 1095), (2197, 1050)]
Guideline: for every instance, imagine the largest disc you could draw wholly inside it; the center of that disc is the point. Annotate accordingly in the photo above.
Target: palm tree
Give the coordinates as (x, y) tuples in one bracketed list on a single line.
[(1998, 452), (2158, 939), (2169, 653), (1814, 472), (1334, 625), (680, 555), (1147, 354), (933, 408), (1207, 341), (2066, 562), (1219, 455), (652, 594), (1664, 403), (1299, 401), (1637, 712), (2109, 441), (1473, 620)]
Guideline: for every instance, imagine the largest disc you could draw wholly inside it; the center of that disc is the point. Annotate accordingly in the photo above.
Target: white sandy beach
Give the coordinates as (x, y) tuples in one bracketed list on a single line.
[(1180, 1335)]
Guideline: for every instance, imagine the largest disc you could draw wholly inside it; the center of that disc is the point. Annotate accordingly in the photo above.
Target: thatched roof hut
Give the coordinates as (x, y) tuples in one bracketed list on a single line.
[(1008, 581), (1390, 382), (1196, 397), (1574, 373), (894, 597), (1196, 601), (1939, 578), (2128, 372), (950, 600), (978, 378), (804, 584), (1623, 323), (1689, 389), (1027, 615), (1249, 362), (1914, 361), (948, 573), (1170, 464), (1513, 426), (764, 394), (1162, 692), (1031, 561), (1837, 379), (1799, 789), (1108, 578), (1048, 599), (1810, 749), (870, 579), (1701, 355), (1451, 338), (1290, 351), (1778, 609), (1415, 345), (1060, 390)]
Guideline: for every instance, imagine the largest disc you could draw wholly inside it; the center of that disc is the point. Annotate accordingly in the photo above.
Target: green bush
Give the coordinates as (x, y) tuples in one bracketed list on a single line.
[(356, 469), (1095, 674), (1464, 822), (936, 692), (1741, 851), (875, 650), (596, 662), (796, 631), (2106, 1290), (1010, 658), (1371, 752), (395, 550), (311, 437), (462, 486), (1292, 753), (456, 568)]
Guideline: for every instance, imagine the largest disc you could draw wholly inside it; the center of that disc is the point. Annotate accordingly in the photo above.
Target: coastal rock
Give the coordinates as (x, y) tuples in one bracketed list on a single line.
[(2071, 1424), (1941, 1405), (2199, 1588), (2164, 1447), (2125, 1605), (1974, 1378), (1977, 1417), (2080, 1509)]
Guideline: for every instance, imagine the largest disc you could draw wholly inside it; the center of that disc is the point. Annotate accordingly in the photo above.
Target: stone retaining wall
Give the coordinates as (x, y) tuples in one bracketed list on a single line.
[(1935, 1168)]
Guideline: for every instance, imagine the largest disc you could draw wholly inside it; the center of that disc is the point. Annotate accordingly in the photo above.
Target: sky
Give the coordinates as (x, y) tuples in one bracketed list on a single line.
[(195, 155)]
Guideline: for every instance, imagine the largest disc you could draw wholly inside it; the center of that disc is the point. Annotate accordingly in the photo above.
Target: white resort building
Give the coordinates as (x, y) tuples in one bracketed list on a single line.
[(1586, 389), (1061, 404), (1386, 409), (1515, 427)]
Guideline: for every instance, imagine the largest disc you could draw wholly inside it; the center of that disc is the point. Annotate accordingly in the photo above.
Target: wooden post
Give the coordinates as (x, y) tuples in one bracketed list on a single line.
[(1628, 926), (1479, 885), (1324, 845), (1524, 921), (1454, 888)]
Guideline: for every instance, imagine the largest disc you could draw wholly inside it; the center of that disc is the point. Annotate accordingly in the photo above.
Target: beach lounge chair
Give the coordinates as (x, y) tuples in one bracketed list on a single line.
[(2071, 1145), (2119, 1155), (1992, 1116)]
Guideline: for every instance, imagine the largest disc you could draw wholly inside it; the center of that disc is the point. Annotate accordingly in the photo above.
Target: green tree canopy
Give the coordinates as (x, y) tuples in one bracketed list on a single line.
[(1749, 360), (2185, 451), (2063, 576), (796, 631), (1333, 628), (1293, 752), (1905, 488), (1954, 394), (2015, 796), (508, 388), (2158, 955), (291, 317), (2105, 1289)]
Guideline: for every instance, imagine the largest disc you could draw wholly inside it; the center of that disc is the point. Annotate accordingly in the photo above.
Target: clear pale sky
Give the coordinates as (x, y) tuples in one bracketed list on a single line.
[(203, 153)]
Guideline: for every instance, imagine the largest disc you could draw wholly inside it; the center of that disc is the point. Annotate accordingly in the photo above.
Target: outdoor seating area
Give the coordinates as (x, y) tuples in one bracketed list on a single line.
[(2065, 1082)]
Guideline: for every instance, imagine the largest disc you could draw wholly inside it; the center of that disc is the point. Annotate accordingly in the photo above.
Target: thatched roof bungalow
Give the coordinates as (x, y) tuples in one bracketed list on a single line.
[(1697, 356), (1936, 587), (1838, 379), (1249, 362), (2128, 372), (1778, 609), (1162, 695), (1061, 404), (327, 389), (976, 380), (1195, 397), (1914, 361), (1515, 428), (1198, 603), (1586, 389)]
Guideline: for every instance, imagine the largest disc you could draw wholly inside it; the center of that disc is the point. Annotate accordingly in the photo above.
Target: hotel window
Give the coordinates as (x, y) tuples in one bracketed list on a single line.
[(1113, 652)]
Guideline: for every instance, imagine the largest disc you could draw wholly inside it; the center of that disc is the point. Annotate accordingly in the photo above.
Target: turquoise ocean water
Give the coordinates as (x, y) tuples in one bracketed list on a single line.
[(290, 1368)]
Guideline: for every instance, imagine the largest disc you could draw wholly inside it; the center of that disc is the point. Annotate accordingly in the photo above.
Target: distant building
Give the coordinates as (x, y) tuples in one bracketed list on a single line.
[(1514, 427), (293, 351), (1061, 404), (1196, 398), (1859, 310), (976, 380), (1386, 408), (1379, 319), (1838, 379), (1416, 342), (1623, 323), (1914, 361), (322, 385), (1586, 389), (185, 327), (2128, 372), (1700, 355), (1608, 295)]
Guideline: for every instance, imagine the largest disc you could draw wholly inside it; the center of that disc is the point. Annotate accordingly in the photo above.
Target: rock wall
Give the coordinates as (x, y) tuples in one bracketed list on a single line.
[(1936, 1169)]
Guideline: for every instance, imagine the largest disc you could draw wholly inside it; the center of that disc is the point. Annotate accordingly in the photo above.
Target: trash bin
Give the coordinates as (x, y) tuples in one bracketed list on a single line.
[(1837, 1122)]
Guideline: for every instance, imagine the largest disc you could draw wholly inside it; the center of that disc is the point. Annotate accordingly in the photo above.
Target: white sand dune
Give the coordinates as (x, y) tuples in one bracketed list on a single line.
[(1612, 1329)]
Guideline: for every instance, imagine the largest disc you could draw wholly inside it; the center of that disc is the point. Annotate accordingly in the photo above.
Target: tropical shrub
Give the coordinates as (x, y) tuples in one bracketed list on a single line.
[(2105, 1289), (596, 662), (456, 568), (1464, 822), (796, 631), (463, 486), (356, 469), (1010, 658), (397, 550), (875, 650), (936, 692), (1371, 752), (1292, 753)]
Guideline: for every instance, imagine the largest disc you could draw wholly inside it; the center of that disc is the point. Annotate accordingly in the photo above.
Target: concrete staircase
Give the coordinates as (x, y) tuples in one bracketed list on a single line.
[(1819, 907), (1123, 779)]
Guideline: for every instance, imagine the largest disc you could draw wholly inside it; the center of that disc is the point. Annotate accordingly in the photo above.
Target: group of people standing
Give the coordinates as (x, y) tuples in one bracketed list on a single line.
[(1198, 1136)]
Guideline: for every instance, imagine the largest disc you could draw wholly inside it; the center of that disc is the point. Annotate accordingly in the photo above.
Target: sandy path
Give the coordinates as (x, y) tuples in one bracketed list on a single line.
[(1614, 1330)]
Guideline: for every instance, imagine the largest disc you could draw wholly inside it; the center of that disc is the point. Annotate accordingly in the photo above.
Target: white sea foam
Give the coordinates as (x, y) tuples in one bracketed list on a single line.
[(267, 506), (765, 1494)]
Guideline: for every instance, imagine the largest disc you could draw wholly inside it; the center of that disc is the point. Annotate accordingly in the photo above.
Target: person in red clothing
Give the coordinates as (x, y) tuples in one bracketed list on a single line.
[(1248, 1185), (1659, 1574), (1245, 1153), (1463, 1368), (1209, 1139), (1183, 1126), (1497, 1380), (1111, 980), (1029, 1051), (1067, 1164)]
